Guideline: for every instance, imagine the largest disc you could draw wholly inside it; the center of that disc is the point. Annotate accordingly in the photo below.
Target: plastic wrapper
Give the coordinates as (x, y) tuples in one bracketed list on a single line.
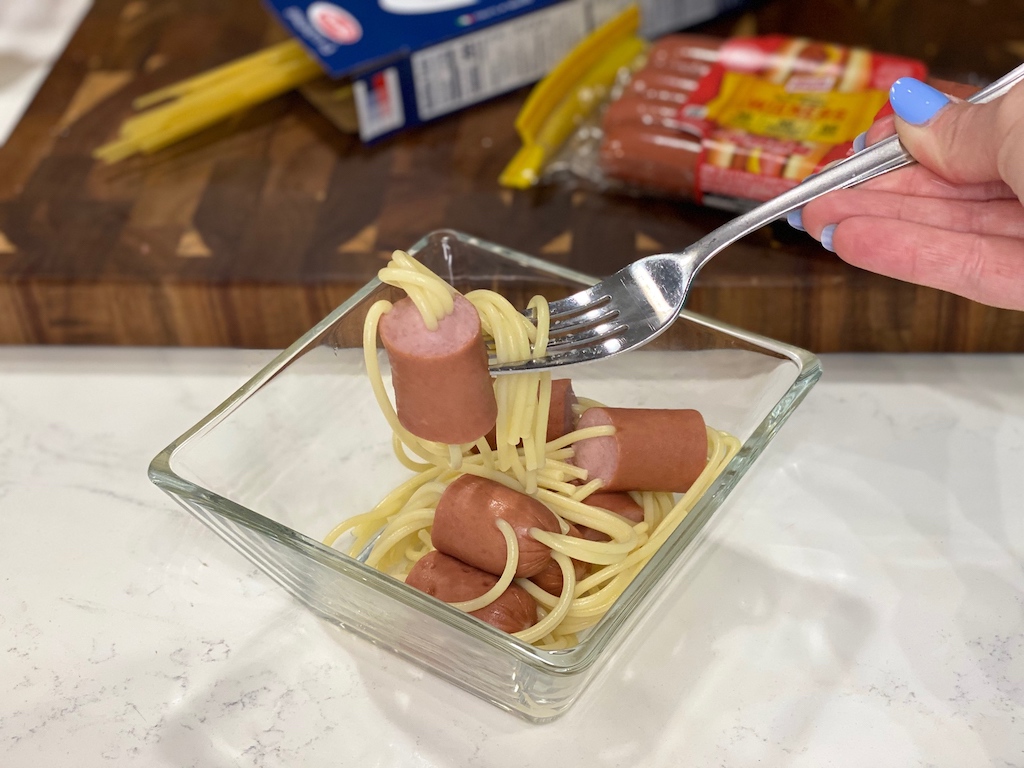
[(724, 122)]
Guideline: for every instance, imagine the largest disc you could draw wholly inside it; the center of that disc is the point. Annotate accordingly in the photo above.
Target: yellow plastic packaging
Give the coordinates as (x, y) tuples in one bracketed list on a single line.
[(570, 93)]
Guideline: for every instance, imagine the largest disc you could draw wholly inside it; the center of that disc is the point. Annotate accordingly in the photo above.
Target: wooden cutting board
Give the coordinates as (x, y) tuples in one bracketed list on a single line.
[(251, 232)]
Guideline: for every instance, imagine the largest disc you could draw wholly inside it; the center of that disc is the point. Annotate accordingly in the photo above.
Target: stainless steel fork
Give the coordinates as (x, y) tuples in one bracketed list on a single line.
[(641, 300)]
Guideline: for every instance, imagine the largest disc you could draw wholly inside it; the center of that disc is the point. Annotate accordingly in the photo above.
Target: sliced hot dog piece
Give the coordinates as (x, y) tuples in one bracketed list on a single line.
[(561, 417), (453, 581), (651, 450), (617, 502), (443, 390), (465, 525), (550, 579)]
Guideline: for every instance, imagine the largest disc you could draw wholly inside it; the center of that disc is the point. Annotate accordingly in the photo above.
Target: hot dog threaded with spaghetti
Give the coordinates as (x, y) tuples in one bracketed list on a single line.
[(395, 535)]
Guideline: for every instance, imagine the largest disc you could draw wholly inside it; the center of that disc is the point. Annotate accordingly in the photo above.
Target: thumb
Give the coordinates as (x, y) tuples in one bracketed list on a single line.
[(962, 142)]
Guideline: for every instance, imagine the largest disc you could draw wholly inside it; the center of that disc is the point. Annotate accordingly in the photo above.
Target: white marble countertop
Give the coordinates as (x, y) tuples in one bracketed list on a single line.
[(860, 601)]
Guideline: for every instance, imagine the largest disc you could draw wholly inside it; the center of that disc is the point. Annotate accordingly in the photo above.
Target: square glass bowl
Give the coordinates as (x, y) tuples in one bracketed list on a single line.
[(302, 445)]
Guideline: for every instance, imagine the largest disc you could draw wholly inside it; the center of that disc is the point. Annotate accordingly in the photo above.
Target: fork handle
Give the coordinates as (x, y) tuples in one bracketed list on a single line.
[(885, 156)]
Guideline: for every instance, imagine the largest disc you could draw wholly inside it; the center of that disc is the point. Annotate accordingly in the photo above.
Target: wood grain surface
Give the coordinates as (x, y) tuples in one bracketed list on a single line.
[(248, 234)]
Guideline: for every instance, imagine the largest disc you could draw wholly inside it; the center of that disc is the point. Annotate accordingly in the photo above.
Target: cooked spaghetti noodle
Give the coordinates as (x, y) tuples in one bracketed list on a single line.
[(396, 533)]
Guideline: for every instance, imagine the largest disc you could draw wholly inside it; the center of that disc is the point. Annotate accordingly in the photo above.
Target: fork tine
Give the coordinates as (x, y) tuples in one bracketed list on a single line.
[(573, 323), (579, 302), (578, 329), (574, 356), (584, 338)]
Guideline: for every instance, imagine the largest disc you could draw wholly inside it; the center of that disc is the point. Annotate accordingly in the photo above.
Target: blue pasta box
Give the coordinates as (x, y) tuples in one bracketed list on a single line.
[(413, 61)]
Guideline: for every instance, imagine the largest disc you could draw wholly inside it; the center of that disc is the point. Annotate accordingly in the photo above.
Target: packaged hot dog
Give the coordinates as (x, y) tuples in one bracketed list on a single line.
[(725, 122)]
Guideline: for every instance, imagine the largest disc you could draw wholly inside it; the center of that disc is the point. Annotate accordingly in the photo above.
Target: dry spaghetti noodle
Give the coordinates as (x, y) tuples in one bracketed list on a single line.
[(180, 110)]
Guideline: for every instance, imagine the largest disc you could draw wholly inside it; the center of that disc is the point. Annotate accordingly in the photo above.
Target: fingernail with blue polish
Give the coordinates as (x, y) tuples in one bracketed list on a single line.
[(826, 237), (914, 101), (860, 142), (796, 219)]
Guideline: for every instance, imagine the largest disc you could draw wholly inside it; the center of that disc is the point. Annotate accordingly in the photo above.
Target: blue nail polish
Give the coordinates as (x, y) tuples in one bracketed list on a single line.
[(860, 142), (914, 101), (796, 219), (826, 237)]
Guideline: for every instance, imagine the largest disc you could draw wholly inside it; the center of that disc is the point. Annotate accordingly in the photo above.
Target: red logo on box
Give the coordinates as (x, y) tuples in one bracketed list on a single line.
[(334, 23)]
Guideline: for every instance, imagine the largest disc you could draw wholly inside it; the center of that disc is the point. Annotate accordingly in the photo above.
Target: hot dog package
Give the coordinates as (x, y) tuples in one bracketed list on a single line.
[(725, 122)]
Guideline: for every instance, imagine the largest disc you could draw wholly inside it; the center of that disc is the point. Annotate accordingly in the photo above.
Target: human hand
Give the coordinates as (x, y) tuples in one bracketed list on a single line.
[(955, 221)]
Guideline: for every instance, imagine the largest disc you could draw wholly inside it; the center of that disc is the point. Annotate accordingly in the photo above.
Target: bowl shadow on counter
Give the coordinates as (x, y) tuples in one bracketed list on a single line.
[(702, 653), (674, 661)]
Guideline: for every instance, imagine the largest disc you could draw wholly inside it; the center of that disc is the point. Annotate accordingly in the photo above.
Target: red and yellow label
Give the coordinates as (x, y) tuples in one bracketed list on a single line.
[(779, 108), (751, 104)]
